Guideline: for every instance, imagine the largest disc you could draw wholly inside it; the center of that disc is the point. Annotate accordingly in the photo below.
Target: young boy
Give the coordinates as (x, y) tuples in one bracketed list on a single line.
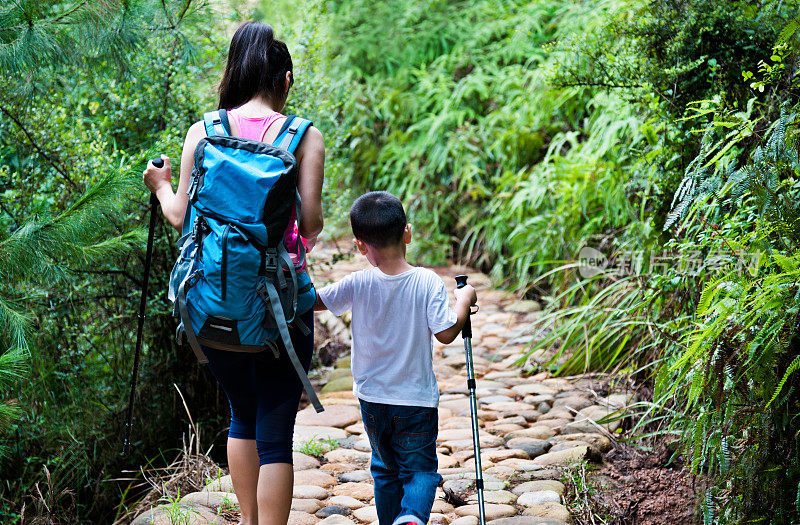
[(396, 308)]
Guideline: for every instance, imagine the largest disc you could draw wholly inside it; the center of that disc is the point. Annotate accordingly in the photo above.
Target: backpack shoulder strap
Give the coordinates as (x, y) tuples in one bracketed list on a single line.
[(187, 218), (291, 133), (217, 123), (285, 126)]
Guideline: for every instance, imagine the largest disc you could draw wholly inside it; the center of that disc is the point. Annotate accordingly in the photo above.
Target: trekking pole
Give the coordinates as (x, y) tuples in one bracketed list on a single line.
[(466, 333), (158, 163)]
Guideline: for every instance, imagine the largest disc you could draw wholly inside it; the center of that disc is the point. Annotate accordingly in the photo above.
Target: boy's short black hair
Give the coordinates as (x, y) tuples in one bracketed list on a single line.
[(378, 219)]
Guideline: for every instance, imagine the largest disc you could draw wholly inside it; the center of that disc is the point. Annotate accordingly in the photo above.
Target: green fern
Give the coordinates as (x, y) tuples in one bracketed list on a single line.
[(788, 32), (709, 517), (793, 367), (725, 456), (797, 499), (689, 189)]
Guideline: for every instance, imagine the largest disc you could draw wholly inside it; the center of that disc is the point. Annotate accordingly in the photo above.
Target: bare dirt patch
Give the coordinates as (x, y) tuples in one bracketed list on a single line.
[(648, 489)]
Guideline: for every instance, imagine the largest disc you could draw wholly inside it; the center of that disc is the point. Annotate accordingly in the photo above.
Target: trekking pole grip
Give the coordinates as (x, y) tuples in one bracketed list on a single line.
[(466, 332), (158, 163)]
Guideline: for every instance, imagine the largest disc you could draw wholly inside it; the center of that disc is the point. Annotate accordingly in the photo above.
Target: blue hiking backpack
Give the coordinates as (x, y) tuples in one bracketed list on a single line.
[(234, 285)]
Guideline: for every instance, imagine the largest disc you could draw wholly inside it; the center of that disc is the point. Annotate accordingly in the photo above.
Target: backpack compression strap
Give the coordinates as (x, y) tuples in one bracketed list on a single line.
[(187, 321), (217, 123), (289, 137), (291, 133), (277, 263)]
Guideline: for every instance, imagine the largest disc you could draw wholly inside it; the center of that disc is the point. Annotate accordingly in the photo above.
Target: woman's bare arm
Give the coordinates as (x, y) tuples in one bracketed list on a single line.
[(311, 160), (159, 180)]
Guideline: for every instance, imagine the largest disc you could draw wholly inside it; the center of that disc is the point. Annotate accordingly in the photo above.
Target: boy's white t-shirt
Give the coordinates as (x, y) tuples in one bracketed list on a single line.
[(394, 318)]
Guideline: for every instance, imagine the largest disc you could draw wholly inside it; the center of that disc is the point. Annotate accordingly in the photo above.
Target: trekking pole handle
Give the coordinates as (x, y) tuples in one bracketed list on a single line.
[(158, 163), (466, 332)]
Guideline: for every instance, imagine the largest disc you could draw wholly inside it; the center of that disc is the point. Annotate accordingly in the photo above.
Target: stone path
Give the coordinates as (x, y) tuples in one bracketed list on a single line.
[(532, 427)]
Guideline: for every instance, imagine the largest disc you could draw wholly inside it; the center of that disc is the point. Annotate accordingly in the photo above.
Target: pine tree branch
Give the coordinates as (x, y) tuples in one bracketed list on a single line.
[(70, 11), (15, 222), (104, 273), (173, 58), (183, 12), (38, 148), (167, 13), (174, 24)]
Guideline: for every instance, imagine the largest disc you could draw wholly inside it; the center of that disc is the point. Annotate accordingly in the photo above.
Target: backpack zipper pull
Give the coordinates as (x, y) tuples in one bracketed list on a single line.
[(193, 185), (240, 232), (224, 265)]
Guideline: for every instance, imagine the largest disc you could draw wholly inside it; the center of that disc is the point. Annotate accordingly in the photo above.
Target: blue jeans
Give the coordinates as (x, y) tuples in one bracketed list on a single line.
[(403, 440)]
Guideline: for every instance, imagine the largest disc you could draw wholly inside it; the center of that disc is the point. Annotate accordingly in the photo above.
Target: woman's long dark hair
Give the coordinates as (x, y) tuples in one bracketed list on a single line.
[(257, 65)]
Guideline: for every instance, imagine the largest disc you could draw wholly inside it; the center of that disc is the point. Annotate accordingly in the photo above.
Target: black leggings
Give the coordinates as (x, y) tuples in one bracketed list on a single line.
[(264, 393)]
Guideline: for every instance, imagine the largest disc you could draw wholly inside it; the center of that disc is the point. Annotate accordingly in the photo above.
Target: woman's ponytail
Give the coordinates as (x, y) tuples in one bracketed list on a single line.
[(257, 65)]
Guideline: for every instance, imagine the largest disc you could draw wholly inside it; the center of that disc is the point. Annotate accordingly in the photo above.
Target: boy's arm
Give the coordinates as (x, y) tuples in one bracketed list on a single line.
[(465, 297), (319, 305), (336, 297)]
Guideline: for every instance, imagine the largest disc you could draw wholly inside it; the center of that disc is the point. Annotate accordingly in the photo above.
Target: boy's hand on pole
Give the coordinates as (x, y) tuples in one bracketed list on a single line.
[(155, 178), (467, 294), (465, 298)]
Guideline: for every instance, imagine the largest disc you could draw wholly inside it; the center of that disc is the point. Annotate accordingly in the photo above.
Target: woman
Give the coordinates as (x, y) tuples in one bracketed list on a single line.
[(263, 395)]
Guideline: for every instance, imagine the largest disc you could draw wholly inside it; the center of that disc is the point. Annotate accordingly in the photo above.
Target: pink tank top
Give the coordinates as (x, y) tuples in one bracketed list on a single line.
[(255, 128)]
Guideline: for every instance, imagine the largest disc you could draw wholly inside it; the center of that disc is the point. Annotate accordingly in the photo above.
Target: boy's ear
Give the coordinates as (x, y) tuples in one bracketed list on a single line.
[(361, 245), (407, 234)]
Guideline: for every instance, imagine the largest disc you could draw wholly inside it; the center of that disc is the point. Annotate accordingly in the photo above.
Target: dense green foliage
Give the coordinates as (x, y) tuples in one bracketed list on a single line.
[(466, 125), (79, 117)]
